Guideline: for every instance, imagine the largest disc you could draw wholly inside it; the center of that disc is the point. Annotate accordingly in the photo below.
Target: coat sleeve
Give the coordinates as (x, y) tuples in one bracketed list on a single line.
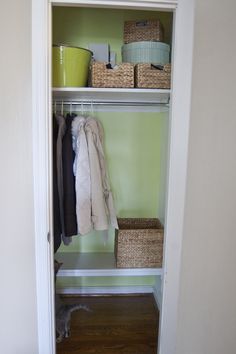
[(82, 177), (103, 213)]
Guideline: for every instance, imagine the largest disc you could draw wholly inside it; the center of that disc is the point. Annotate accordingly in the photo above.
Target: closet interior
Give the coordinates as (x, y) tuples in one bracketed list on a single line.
[(135, 124)]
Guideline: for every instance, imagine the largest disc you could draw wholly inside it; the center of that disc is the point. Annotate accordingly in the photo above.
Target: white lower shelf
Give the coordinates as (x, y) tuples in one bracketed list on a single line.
[(97, 264)]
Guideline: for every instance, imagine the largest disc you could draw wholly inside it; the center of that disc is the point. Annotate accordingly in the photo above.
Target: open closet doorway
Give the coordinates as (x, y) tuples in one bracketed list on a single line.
[(90, 263)]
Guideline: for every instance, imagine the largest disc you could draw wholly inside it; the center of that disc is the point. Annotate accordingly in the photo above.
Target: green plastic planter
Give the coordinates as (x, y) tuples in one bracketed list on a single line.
[(70, 66)]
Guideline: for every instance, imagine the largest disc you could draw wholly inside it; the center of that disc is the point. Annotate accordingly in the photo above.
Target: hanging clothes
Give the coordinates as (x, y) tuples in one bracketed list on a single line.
[(56, 207), (103, 212), (69, 198), (94, 202), (58, 172), (82, 176), (61, 132)]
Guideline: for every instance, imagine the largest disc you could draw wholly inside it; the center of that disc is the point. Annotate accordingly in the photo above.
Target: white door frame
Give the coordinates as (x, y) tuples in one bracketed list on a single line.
[(178, 154)]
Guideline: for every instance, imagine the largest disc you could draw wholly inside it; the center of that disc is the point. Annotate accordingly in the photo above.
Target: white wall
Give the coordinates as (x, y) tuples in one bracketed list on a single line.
[(207, 318), (18, 334), (207, 308)]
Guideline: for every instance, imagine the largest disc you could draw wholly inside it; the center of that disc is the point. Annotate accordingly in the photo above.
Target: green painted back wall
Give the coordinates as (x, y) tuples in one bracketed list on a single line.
[(80, 26), (134, 145)]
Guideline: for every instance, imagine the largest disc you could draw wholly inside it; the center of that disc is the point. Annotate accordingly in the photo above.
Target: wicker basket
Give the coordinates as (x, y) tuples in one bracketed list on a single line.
[(139, 243), (148, 76), (121, 76), (147, 30)]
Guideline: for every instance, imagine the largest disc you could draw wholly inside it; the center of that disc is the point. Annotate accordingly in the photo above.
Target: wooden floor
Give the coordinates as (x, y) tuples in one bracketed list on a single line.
[(116, 325)]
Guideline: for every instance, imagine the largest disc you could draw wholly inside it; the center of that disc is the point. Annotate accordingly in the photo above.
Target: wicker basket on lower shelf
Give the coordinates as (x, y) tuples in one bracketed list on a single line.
[(139, 243), (149, 76), (122, 76)]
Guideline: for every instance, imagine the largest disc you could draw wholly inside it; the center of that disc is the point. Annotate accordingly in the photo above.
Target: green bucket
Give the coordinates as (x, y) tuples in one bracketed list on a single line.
[(70, 66)]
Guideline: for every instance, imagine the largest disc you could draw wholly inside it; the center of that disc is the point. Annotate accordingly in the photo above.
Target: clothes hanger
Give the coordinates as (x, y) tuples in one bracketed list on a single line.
[(62, 108), (82, 108), (92, 108), (70, 109)]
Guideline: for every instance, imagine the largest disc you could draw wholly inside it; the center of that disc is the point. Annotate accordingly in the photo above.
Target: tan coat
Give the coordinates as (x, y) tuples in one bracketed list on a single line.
[(94, 202)]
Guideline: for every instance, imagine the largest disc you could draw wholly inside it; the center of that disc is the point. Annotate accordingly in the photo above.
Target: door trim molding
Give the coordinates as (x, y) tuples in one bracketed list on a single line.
[(41, 15), (182, 51), (179, 119)]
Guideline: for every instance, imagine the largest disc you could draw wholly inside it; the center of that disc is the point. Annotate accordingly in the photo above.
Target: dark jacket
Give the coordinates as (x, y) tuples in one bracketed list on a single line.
[(68, 155), (56, 209)]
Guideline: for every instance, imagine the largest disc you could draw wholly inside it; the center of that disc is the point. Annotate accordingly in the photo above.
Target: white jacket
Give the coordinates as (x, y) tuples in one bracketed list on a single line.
[(92, 184), (82, 176)]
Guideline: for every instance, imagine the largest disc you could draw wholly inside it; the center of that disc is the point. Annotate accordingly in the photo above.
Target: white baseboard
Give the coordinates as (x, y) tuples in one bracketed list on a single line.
[(110, 290), (90, 290)]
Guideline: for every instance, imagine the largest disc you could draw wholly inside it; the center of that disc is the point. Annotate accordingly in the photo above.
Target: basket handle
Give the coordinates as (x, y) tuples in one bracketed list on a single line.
[(108, 66), (142, 23), (158, 67)]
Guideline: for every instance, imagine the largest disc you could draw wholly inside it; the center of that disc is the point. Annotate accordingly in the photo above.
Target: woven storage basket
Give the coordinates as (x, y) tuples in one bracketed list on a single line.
[(147, 76), (121, 76), (139, 243), (147, 30)]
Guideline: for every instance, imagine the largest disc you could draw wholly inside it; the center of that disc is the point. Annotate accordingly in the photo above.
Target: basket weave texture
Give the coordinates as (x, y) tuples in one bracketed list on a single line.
[(147, 30), (139, 243), (121, 76), (147, 76)]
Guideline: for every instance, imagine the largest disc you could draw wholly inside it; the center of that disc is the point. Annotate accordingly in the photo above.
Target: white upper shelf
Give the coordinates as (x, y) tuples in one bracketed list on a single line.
[(112, 95), (136, 4), (97, 264)]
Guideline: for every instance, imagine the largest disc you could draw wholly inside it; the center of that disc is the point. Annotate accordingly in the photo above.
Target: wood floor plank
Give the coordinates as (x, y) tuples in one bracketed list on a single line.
[(115, 325)]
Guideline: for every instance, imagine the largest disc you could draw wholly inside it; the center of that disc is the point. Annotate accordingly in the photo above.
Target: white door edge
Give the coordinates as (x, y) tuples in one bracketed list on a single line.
[(40, 136), (178, 159)]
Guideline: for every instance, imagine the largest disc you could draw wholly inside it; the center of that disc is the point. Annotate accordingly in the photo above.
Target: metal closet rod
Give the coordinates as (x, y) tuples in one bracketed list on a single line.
[(109, 103)]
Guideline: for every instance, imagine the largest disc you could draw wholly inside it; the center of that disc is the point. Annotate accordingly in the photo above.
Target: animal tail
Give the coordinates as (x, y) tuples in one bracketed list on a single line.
[(71, 308)]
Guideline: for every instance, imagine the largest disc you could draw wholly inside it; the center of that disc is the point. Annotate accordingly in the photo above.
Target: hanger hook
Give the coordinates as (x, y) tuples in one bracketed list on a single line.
[(82, 108), (92, 108), (62, 108)]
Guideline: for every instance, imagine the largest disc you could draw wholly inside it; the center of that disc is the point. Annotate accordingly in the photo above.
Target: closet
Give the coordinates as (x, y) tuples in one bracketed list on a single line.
[(145, 148), (135, 123)]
